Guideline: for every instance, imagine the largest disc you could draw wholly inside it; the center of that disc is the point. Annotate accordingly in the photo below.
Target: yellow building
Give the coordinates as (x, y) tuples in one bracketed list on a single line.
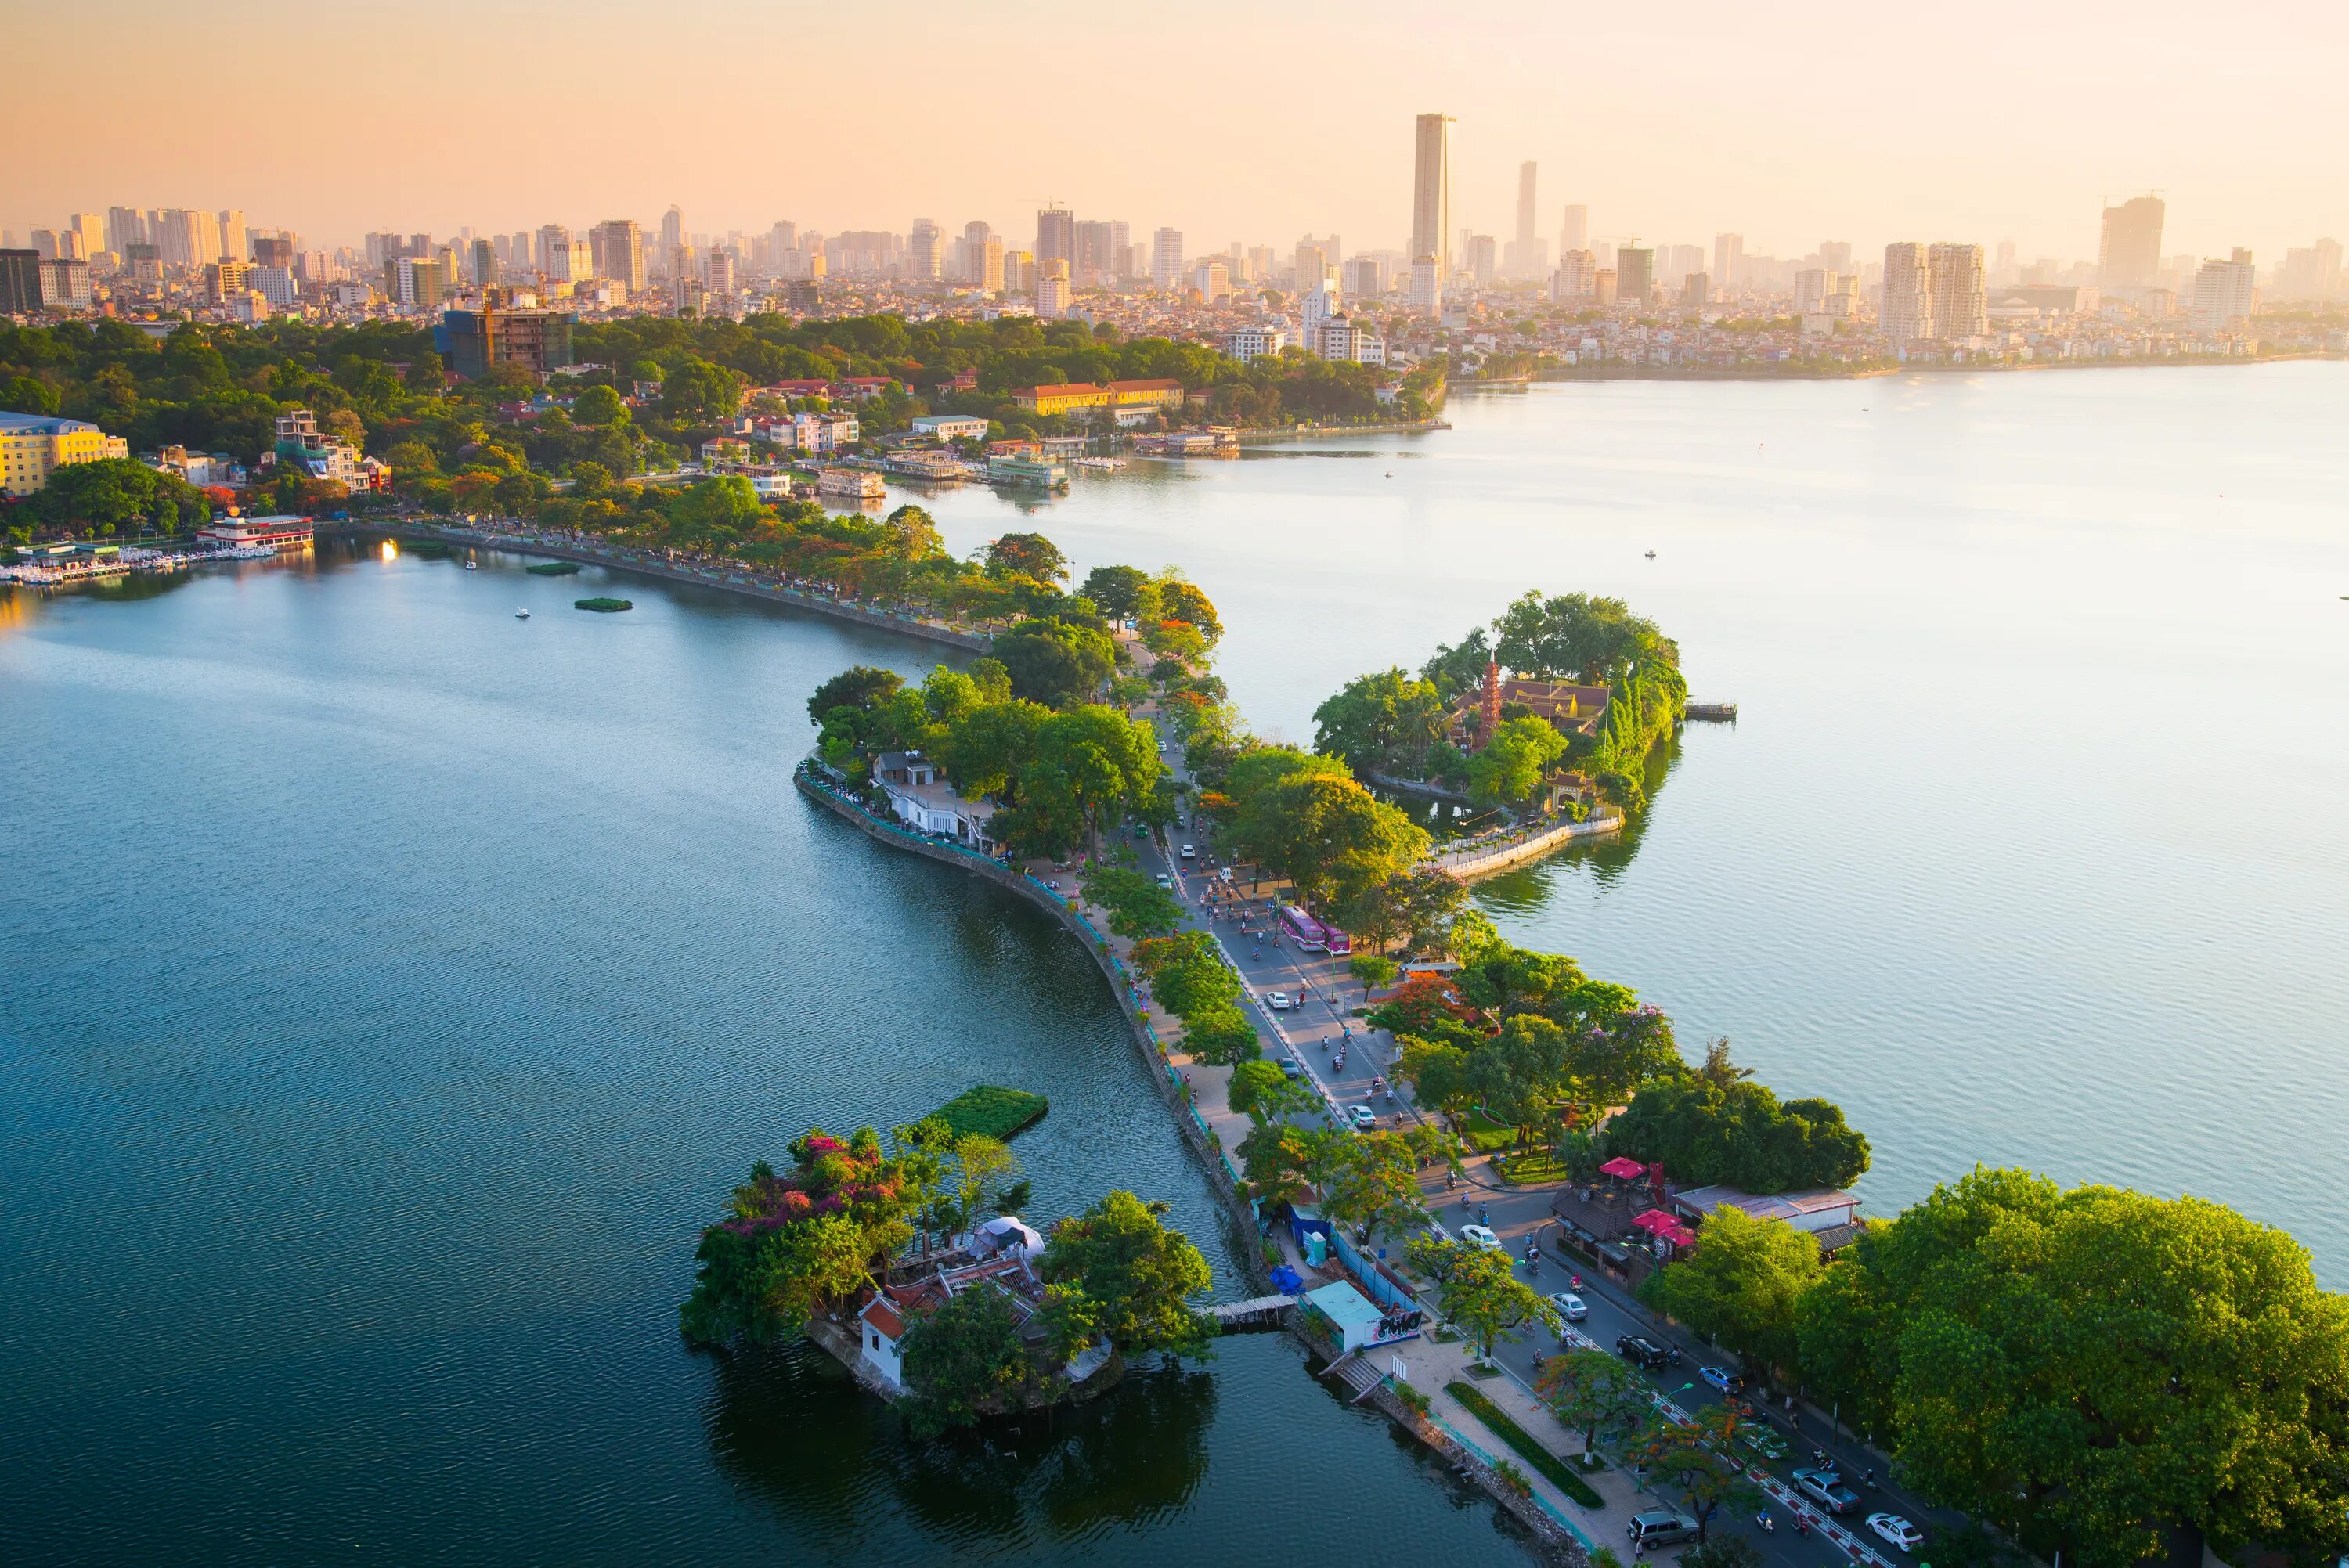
[(32, 446), (1159, 394), (1062, 397)]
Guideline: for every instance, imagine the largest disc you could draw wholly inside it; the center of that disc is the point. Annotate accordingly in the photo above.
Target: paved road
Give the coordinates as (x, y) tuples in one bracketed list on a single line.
[(1326, 993)]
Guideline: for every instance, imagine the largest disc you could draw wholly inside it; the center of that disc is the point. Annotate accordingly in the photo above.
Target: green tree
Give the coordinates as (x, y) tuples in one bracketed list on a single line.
[(1276, 1159), (1120, 591), (1137, 906), (1181, 601), (116, 495), (29, 395), (599, 407), (1512, 764), (1314, 824), (1140, 1273), (982, 1166), (1743, 1287), (1221, 1035), (913, 534), (1589, 1391), (2093, 1368), (1693, 1459), (1376, 1186), (1380, 723), (986, 749), (1703, 1131), (859, 686), (1260, 1091), (1097, 763), (1480, 1292), (699, 392), (1027, 556), (963, 1360), (1054, 662)]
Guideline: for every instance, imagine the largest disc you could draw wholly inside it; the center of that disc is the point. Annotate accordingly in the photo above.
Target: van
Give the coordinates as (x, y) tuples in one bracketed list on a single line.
[(1661, 1527)]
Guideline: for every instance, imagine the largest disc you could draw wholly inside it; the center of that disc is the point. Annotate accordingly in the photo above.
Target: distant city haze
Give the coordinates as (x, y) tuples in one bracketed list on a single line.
[(1998, 121)]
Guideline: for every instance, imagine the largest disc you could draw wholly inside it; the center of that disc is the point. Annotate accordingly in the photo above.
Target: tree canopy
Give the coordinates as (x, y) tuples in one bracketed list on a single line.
[(1140, 1274), (1703, 1131)]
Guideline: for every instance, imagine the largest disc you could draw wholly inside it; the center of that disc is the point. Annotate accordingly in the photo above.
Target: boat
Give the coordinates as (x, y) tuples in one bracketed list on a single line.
[(472, 566), (1652, 555), (521, 615)]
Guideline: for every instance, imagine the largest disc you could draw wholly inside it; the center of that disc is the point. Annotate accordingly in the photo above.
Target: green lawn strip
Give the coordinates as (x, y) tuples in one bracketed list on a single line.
[(1484, 1135), (992, 1112), (1550, 1464), (604, 606), (553, 568)]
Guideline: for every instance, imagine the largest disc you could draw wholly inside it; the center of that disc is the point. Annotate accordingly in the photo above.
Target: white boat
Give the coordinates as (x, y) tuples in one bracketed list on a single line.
[(472, 566), (521, 615)]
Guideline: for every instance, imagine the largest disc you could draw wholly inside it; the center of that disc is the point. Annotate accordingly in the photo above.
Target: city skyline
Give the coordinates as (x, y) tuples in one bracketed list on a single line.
[(2029, 152)]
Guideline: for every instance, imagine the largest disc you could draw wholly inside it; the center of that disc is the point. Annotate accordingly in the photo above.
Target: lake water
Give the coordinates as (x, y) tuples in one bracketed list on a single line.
[(393, 987)]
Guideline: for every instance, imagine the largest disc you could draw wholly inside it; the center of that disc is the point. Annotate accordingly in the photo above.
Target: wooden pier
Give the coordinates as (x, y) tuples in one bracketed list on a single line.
[(1712, 712), (1257, 1315)]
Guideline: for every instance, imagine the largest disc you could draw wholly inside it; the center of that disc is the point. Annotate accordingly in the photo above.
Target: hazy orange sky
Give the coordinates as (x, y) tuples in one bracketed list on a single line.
[(1981, 121)]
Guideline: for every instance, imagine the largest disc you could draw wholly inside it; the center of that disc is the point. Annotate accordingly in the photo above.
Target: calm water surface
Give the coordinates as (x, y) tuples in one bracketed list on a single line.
[(393, 986)]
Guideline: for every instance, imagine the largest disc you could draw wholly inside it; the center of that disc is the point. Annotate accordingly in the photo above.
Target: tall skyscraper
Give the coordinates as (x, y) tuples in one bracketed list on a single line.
[(486, 263), (1056, 235), (924, 247), (1525, 172), (990, 265), (1906, 315), (1167, 259), (90, 230), (618, 248), (126, 227), (1835, 256), (2224, 295), (1635, 273), (1527, 254), (1094, 261), (2130, 254), (672, 237), (718, 271), (1961, 296), (1481, 260), (554, 249), (231, 234), (1430, 193), (1574, 233), (1728, 261)]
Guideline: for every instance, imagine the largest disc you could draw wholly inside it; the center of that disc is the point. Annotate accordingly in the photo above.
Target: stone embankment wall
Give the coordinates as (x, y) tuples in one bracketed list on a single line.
[(1503, 856), (706, 577)]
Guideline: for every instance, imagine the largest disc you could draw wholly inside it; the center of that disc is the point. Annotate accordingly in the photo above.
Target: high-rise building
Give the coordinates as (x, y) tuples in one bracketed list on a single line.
[(225, 280), (1365, 276), (1682, 262), (486, 263), (925, 250), (231, 234), (1729, 261), (2225, 293), (493, 334), (126, 227), (2129, 256), (672, 238), (1635, 273), (1834, 255), (1425, 292), (1577, 277), (90, 230), (1211, 278), (689, 294), (718, 271), (1959, 292), (1526, 176), (20, 282), (1906, 313), (1431, 193), (418, 284), (1481, 259), (274, 250), (554, 246), (2313, 272), (1056, 235), (1696, 289), (1053, 292), (1094, 261), (990, 266), (1574, 233), (1167, 259), (618, 248)]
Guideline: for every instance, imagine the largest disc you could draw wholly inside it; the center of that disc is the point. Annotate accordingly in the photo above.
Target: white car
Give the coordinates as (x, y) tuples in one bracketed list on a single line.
[(1280, 1001), (1897, 1530), (1189, 854), (1364, 1119), (1481, 1236), (1570, 1306)]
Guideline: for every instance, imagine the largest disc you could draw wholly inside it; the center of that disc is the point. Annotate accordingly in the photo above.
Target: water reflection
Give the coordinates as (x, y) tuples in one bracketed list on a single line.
[(788, 1426)]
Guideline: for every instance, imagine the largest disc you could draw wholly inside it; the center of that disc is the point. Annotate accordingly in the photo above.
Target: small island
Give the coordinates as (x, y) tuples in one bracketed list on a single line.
[(913, 1266), (604, 606), (553, 568)]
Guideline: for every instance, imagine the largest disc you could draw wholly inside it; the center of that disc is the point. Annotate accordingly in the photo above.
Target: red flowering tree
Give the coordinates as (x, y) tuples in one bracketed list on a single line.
[(794, 1244)]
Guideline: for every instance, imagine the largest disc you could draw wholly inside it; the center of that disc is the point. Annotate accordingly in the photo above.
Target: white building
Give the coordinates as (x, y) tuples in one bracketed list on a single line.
[(1425, 294), (1343, 339), (1577, 277), (2225, 293), (1246, 343), (1960, 298), (1213, 279), (951, 426), (1907, 314)]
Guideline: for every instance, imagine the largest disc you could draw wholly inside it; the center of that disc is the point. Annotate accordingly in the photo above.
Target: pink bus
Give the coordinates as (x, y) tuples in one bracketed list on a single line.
[(1310, 935)]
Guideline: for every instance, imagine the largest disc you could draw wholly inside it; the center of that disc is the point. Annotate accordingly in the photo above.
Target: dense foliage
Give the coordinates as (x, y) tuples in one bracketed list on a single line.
[(1138, 1273), (1703, 1130), (792, 1245), (2092, 1367)]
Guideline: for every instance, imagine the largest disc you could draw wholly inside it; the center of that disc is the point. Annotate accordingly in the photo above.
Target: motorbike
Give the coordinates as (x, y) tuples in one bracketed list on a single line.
[(1769, 1525)]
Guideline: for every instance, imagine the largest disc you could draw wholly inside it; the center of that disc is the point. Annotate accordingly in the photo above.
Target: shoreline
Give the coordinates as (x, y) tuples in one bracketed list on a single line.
[(741, 582), (1551, 1536), (1758, 373)]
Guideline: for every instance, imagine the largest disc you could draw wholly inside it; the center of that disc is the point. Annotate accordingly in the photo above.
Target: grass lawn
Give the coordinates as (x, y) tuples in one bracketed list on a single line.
[(1484, 1135), (1534, 1165), (992, 1112), (1552, 1467)]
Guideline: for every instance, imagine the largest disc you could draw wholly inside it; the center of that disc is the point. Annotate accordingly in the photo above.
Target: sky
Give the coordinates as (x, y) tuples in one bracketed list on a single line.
[(1988, 121)]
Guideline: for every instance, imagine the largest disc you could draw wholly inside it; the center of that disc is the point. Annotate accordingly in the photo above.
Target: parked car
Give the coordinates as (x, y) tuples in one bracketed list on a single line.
[(1661, 1527), (1474, 1235), (1279, 1001), (1364, 1118), (1826, 1488), (1641, 1351), (1762, 1440), (1570, 1306), (1290, 1066), (1897, 1530), (1723, 1378)]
